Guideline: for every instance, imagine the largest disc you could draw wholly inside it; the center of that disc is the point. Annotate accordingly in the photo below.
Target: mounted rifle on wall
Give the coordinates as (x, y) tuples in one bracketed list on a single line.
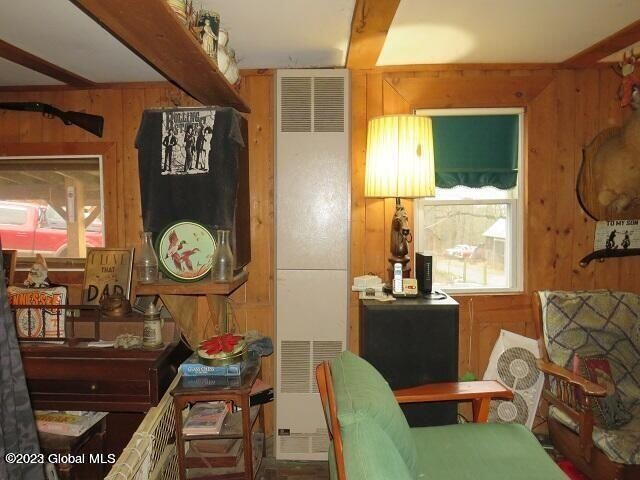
[(608, 185), (90, 123)]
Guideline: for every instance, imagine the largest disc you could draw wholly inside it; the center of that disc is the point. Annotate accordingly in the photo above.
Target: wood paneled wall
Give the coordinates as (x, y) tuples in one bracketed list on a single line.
[(122, 107), (564, 109)]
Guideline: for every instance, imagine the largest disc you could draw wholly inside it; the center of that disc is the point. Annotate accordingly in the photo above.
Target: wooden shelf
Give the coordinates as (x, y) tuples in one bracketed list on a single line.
[(154, 32), (203, 287)]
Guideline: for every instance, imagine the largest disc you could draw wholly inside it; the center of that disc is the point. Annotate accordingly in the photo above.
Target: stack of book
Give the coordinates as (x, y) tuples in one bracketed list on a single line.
[(72, 423), (192, 367), (205, 418)]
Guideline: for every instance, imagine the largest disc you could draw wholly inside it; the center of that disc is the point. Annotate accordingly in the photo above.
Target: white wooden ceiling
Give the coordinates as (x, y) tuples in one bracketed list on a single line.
[(57, 31), (501, 31), (311, 33), (286, 33)]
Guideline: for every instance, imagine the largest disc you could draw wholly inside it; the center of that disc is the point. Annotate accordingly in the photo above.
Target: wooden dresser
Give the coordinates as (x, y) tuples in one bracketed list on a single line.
[(125, 383)]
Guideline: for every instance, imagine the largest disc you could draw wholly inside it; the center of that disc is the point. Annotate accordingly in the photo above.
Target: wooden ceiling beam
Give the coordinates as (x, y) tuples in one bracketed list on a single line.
[(369, 27), (589, 57), (21, 57)]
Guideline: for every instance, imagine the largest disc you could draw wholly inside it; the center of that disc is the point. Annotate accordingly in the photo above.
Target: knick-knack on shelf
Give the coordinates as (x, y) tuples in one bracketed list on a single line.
[(222, 262)]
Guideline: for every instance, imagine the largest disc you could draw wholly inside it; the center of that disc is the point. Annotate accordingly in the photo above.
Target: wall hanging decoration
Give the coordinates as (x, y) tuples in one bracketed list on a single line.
[(614, 238), (185, 250), (91, 123), (608, 185), (107, 272)]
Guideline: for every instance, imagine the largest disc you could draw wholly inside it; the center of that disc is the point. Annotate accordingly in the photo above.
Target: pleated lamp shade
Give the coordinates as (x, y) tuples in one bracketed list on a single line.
[(400, 157)]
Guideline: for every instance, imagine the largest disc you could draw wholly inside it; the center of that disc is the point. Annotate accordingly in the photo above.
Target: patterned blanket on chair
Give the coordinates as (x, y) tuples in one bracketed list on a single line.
[(603, 323)]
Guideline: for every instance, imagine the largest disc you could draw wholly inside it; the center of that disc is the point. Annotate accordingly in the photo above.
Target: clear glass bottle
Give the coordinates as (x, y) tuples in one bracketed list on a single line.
[(222, 261), (147, 261)]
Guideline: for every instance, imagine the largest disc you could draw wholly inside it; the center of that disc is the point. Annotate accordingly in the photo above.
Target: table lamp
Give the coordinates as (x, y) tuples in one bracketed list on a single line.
[(400, 165)]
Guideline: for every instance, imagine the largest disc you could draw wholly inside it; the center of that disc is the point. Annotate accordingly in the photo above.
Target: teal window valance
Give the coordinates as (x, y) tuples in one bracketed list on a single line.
[(476, 150)]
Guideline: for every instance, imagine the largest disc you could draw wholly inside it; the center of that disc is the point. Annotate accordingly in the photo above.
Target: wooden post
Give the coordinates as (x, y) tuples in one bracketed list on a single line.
[(76, 241)]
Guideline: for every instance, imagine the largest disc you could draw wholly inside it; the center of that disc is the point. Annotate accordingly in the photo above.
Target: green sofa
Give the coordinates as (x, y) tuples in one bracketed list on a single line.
[(378, 443)]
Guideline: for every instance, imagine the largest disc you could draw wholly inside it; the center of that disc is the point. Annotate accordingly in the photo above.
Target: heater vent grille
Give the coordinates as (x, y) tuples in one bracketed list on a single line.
[(328, 104), (295, 366), (320, 441), (295, 98), (324, 351)]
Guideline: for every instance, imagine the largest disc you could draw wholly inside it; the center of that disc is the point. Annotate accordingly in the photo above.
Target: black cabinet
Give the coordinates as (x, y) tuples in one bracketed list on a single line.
[(412, 342)]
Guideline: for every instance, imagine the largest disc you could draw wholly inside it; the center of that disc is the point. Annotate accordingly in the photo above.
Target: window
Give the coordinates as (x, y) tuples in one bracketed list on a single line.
[(51, 206), (473, 226)]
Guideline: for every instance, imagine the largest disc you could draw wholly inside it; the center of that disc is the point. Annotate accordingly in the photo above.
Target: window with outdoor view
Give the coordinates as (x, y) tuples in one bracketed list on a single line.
[(473, 226), (51, 206)]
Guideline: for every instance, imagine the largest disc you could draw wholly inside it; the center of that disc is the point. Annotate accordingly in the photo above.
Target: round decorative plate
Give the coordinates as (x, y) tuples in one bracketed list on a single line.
[(185, 250)]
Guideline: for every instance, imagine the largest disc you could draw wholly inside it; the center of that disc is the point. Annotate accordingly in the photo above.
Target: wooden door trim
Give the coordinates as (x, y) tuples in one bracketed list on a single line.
[(461, 92)]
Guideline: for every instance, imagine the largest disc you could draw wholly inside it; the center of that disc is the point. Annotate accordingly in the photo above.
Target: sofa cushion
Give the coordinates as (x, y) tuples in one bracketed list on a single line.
[(621, 445), (608, 411), (602, 323), (369, 453), (479, 451), (362, 392)]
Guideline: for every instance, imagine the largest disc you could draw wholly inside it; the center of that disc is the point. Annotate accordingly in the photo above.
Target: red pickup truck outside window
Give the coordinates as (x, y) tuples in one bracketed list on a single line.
[(32, 228)]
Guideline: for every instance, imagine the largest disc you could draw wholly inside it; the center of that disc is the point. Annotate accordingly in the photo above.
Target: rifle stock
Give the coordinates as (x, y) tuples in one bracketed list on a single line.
[(86, 121), (90, 123)]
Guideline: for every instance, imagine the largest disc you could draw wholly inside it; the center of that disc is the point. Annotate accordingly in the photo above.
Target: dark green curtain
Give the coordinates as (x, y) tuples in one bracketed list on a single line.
[(476, 150)]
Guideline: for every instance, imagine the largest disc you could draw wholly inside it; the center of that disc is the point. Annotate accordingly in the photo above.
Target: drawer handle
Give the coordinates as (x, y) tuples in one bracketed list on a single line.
[(93, 387)]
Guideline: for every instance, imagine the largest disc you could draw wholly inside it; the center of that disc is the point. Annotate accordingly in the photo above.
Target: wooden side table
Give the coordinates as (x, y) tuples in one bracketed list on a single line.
[(236, 424)]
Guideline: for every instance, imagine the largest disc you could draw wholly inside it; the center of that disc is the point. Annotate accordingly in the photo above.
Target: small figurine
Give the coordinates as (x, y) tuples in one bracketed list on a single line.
[(37, 277)]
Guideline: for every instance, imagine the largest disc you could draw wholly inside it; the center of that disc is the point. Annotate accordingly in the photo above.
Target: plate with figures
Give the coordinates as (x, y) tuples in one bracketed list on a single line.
[(185, 250)]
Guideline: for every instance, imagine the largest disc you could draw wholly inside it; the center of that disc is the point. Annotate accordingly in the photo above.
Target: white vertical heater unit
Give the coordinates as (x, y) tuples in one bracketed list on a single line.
[(312, 249)]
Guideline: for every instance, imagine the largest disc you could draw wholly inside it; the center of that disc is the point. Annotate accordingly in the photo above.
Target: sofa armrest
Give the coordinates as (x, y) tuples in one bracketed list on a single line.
[(588, 388), (562, 395), (479, 393)]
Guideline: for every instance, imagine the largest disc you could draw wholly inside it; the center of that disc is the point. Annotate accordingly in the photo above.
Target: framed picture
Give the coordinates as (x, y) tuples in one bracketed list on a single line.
[(185, 250), (9, 258), (107, 271)]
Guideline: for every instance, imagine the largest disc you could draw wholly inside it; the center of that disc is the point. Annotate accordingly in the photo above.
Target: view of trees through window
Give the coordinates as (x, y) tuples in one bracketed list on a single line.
[(467, 242)]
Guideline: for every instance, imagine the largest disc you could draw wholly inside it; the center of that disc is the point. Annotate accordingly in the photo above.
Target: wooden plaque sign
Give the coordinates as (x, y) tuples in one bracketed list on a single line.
[(107, 271), (617, 234), (614, 238)]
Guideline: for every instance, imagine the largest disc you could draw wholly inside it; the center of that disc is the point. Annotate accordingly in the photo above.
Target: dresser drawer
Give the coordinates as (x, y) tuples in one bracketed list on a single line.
[(88, 387), (65, 377)]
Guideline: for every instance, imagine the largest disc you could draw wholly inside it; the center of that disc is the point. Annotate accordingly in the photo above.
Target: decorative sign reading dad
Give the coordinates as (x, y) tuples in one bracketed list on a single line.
[(107, 271)]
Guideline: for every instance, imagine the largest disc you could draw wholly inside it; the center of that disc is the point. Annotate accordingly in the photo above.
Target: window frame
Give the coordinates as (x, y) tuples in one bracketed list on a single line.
[(514, 248), (66, 263)]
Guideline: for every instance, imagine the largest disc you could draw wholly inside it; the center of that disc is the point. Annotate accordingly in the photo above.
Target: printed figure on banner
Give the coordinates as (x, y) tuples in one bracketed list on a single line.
[(186, 141)]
